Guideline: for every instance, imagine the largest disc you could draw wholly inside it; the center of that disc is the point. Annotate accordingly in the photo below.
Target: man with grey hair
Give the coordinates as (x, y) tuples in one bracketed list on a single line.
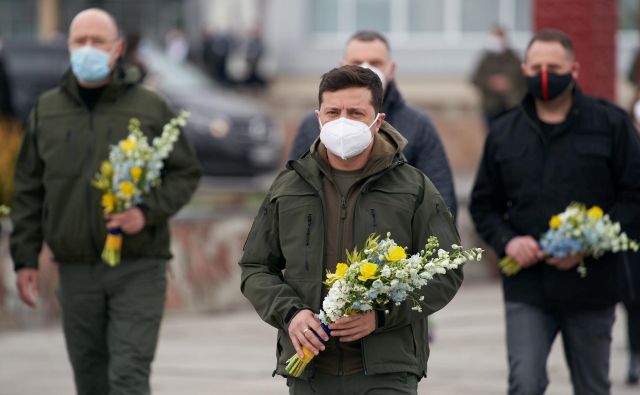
[(111, 315), (424, 150)]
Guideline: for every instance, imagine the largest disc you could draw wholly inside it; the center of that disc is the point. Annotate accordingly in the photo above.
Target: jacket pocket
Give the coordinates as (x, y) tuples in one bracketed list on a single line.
[(589, 169), (592, 145), (301, 235), (63, 153)]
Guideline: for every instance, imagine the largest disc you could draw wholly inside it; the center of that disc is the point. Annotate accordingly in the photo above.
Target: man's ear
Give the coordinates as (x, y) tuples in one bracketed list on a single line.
[(378, 124), (575, 70), (392, 71)]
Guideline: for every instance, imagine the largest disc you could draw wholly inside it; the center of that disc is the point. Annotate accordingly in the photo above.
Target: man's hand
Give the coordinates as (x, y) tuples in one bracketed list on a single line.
[(27, 284), (525, 250), (130, 221), (565, 263), (354, 327), (302, 331)]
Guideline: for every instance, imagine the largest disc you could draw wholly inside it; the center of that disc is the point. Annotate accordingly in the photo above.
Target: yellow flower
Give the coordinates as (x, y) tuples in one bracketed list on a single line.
[(106, 169), (128, 145), (136, 173), (341, 269), (555, 222), (109, 202), (126, 189), (368, 271), (395, 254), (595, 212)]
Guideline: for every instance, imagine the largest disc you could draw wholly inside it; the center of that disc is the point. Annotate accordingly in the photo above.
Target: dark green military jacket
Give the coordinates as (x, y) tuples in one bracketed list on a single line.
[(63, 147), (282, 265)]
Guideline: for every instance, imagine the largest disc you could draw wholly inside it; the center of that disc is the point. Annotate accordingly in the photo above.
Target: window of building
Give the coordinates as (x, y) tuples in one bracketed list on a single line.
[(479, 15), (437, 18), (628, 15), (426, 15), (373, 14)]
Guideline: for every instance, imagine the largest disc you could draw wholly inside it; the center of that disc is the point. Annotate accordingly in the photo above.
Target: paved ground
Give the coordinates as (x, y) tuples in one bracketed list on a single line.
[(234, 354)]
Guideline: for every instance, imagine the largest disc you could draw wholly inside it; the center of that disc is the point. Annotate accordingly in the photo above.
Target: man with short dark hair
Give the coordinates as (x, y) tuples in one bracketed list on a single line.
[(325, 203), (111, 315), (560, 146), (424, 150)]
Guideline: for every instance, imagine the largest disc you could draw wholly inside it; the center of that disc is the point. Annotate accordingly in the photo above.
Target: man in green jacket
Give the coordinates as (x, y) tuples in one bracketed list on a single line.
[(111, 315), (354, 182)]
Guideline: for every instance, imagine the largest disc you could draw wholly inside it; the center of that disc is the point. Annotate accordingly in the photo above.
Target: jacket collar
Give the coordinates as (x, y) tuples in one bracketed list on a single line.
[(392, 99), (529, 107), (121, 79)]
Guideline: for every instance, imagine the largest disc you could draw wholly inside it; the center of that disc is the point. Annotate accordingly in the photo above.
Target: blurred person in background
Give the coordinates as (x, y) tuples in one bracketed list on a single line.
[(301, 231), (10, 133), (631, 300), (176, 45), (254, 53), (498, 76), (111, 315), (560, 146), (6, 98), (424, 150), (216, 48), (131, 56)]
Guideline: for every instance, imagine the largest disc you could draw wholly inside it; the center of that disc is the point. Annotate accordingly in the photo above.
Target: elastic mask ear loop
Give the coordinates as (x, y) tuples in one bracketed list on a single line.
[(374, 120)]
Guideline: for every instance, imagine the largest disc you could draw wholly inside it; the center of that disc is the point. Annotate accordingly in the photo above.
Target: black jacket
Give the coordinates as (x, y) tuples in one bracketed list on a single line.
[(527, 175), (424, 151)]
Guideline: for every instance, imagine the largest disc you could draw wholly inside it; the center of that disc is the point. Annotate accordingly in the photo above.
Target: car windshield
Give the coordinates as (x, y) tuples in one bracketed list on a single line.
[(168, 72)]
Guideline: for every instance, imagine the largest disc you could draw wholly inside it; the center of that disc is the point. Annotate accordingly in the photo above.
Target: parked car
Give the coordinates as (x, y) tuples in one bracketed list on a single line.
[(233, 134), (33, 68)]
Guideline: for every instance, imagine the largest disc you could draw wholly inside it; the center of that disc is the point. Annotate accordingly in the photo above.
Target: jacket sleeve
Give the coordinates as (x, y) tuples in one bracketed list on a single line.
[(308, 132), (262, 263), (489, 202), (27, 207), (626, 176), (430, 219), (180, 177), (432, 159)]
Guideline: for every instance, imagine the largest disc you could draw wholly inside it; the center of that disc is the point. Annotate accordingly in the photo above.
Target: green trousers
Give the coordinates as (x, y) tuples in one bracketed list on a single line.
[(111, 319), (355, 384)]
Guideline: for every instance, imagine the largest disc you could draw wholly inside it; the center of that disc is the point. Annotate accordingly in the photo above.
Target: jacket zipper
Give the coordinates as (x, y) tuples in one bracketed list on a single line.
[(343, 217), (363, 189), (374, 223), (307, 242), (90, 144), (545, 148)]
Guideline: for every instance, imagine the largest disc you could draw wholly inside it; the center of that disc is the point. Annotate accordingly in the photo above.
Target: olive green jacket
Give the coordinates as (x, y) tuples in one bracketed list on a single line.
[(282, 262), (64, 144)]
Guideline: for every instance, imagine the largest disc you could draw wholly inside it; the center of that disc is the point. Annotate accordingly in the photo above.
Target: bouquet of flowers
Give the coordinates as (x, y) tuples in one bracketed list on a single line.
[(133, 168), (379, 275), (578, 230), (4, 211)]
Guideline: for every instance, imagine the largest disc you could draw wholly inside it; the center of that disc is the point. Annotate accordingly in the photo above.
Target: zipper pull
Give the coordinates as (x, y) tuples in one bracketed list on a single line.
[(343, 208)]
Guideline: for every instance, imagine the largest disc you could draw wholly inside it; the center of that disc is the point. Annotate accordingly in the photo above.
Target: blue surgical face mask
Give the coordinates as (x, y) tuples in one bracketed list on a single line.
[(90, 64)]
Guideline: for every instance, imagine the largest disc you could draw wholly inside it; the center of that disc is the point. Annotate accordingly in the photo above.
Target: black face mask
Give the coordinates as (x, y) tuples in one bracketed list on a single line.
[(547, 85)]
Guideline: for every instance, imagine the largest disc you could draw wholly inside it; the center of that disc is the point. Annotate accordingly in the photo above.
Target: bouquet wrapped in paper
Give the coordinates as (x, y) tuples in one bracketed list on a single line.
[(132, 170), (380, 275), (579, 231)]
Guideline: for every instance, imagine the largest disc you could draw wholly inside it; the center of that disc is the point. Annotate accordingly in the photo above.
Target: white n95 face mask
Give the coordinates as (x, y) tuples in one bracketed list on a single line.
[(376, 70), (345, 137)]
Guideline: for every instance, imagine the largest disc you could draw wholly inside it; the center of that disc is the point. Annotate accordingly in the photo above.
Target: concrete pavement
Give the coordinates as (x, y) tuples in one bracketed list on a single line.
[(234, 353)]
